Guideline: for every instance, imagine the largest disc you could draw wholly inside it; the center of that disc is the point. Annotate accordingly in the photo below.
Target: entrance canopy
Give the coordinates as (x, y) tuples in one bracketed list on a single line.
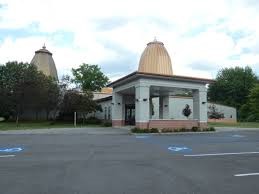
[(140, 89)]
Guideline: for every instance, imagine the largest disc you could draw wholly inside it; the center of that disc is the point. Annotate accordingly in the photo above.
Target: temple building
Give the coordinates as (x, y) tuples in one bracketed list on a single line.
[(153, 97), (45, 63)]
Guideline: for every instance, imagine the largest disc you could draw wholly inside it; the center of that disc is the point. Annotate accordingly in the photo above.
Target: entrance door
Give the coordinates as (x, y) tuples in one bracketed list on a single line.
[(130, 114)]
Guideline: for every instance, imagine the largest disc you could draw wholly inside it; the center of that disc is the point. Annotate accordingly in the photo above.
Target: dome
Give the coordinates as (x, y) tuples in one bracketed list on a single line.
[(44, 62), (155, 59)]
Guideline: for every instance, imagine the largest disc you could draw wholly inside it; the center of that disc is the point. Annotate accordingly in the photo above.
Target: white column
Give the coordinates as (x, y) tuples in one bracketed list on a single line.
[(164, 107), (117, 108), (160, 107), (200, 106), (142, 106)]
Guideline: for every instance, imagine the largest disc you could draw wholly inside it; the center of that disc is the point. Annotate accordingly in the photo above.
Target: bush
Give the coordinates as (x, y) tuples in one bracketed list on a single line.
[(167, 130), (93, 120), (138, 130), (107, 124), (154, 130), (195, 129)]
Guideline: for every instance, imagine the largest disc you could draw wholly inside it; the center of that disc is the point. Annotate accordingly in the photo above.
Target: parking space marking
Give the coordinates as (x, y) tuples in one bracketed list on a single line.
[(220, 154), (18, 149), (248, 174), (178, 148), (142, 136), (6, 156), (238, 135)]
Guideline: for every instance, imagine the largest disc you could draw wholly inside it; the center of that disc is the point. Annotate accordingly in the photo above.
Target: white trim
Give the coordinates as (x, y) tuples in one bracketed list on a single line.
[(248, 174), (220, 154), (6, 156)]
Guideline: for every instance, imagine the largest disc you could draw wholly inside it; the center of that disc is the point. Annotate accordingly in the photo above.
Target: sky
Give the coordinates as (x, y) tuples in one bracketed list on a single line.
[(201, 36)]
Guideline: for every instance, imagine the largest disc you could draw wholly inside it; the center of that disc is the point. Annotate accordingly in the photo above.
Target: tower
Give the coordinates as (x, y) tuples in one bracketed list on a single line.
[(45, 63)]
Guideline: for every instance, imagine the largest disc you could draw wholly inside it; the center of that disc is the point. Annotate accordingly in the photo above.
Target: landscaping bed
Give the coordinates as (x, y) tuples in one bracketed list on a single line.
[(168, 130)]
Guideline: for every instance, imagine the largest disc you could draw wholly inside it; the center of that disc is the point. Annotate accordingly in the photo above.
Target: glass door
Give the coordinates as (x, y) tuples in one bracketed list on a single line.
[(130, 114)]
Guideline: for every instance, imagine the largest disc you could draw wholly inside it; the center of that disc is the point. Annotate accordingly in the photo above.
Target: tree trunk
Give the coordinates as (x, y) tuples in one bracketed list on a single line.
[(17, 120)]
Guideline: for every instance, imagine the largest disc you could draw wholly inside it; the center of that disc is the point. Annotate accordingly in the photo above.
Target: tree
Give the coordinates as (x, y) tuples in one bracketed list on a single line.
[(250, 110), (75, 101), (23, 87), (213, 113), (89, 77), (187, 111), (232, 86)]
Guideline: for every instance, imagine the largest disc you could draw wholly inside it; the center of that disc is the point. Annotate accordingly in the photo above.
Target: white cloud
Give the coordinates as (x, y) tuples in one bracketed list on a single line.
[(193, 32)]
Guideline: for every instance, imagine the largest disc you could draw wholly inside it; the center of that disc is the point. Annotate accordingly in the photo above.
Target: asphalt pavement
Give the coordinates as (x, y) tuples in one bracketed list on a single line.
[(80, 163)]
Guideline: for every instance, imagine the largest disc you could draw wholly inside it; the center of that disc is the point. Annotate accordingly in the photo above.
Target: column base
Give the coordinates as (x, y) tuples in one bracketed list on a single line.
[(203, 125), (142, 125), (118, 123)]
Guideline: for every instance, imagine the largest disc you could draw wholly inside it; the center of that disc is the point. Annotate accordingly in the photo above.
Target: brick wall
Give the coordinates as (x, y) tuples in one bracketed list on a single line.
[(160, 124), (118, 123)]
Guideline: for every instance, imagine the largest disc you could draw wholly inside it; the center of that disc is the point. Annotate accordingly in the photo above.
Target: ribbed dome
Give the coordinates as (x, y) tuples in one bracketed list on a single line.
[(45, 63), (155, 59)]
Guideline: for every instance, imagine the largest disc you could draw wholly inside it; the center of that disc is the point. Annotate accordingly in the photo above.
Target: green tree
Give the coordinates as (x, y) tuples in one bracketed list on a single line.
[(89, 77), (213, 113), (23, 87), (75, 101), (250, 110), (232, 86)]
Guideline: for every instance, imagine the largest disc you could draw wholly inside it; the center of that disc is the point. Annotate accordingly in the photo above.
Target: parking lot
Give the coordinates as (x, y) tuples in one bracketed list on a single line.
[(73, 163)]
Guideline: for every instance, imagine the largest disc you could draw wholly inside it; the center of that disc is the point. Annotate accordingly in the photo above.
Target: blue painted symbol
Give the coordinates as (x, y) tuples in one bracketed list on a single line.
[(178, 149), (142, 136), (10, 149)]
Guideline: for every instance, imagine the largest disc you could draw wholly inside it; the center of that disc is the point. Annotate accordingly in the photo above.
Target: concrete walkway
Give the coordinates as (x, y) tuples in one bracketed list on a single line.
[(89, 131)]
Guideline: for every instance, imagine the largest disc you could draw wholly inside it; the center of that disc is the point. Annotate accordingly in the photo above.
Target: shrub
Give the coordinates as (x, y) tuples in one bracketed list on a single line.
[(154, 130), (107, 124), (195, 129), (93, 120), (138, 130), (167, 130)]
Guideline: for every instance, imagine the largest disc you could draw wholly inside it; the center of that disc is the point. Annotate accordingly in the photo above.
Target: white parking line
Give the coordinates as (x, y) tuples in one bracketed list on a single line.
[(6, 156), (220, 154), (248, 174)]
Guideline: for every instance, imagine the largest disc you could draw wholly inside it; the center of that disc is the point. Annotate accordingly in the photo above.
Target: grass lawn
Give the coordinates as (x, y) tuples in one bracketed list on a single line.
[(238, 124), (39, 125)]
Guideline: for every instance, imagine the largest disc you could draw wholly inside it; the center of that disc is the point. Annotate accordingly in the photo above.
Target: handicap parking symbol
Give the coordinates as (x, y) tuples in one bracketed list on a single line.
[(179, 148), (10, 149), (142, 136)]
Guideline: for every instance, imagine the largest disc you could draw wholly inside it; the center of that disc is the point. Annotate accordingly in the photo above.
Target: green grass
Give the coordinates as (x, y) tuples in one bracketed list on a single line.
[(238, 124), (39, 125)]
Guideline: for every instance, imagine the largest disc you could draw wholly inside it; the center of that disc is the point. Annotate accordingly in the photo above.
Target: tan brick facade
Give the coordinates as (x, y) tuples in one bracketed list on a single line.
[(172, 124), (118, 123), (142, 125)]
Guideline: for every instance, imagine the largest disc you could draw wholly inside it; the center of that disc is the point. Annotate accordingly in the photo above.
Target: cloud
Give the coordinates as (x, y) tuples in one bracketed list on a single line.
[(201, 36)]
